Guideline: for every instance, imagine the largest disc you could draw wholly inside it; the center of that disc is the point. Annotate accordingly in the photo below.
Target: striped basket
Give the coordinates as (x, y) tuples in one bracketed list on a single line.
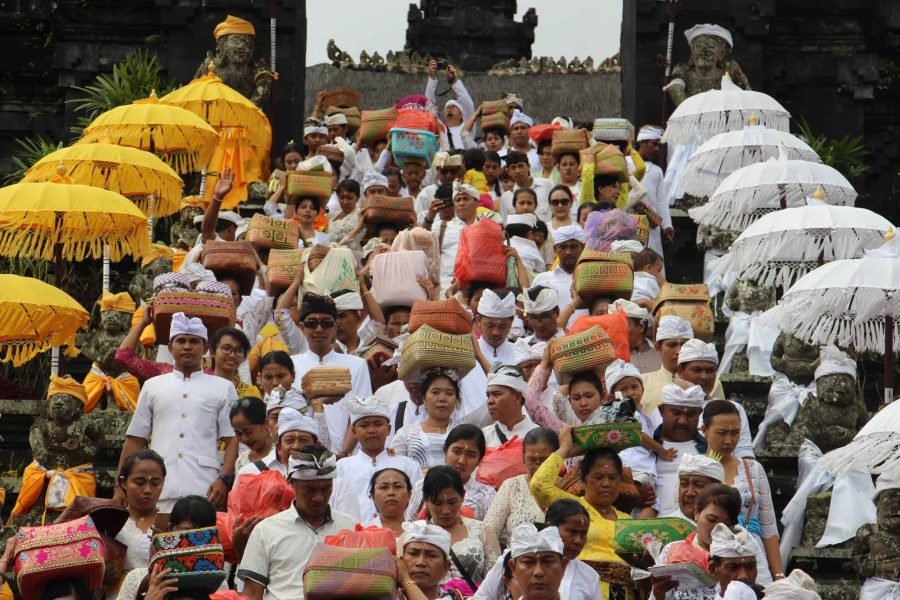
[(388, 209), (326, 381), (308, 184), (690, 302), (569, 140), (266, 232), (282, 267), (428, 348), (586, 351), (216, 311), (447, 316), (604, 275), (334, 573), (376, 124)]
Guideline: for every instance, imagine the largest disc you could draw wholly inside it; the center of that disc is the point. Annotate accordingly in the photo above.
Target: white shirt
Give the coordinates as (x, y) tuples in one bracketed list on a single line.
[(356, 472), (492, 439), (558, 280), (449, 246), (502, 354), (335, 415), (425, 198), (541, 189), (183, 419), (654, 183), (270, 460), (534, 160), (639, 459), (278, 549), (667, 475)]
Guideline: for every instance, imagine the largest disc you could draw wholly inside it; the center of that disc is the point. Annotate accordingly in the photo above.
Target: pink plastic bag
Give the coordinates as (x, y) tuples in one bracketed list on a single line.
[(394, 277), (604, 228), (502, 463), (419, 238)]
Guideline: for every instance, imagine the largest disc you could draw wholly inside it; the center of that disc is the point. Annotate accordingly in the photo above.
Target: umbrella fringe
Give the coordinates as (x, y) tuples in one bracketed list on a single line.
[(77, 243), (704, 172), (875, 453), (698, 128)]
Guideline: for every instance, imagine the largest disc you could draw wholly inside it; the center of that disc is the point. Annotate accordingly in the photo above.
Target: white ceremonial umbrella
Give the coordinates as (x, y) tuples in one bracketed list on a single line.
[(722, 155), (704, 115), (852, 303), (763, 187), (785, 245)]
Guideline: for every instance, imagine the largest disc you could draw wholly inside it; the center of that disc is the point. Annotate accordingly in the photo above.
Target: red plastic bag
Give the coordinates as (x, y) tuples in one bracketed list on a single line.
[(227, 595), (260, 495), (364, 537), (543, 133), (225, 525), (616, 327), (502, 463), (480, 256), (416, 119)]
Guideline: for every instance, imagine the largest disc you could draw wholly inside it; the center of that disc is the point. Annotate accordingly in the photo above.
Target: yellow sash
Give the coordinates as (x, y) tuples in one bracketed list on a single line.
[(125, 389), (77, 481)]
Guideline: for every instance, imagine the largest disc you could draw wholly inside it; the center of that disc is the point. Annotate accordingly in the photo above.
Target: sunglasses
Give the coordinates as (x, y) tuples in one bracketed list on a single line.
[(559, 202), (315, 323)]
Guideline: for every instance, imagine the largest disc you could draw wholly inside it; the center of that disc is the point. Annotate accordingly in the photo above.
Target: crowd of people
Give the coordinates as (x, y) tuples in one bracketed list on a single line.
[(221, 411)]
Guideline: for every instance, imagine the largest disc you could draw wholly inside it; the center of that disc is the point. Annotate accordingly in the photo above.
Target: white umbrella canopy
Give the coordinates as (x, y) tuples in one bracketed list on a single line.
[(760, 188), (704, 115), (782, 246), (723, 154)]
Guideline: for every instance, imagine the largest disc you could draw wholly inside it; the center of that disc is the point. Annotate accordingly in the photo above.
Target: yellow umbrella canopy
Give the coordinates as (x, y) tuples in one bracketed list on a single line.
[(181, 138), (34, 317), (37, 219), (222, 107), (138, 175)]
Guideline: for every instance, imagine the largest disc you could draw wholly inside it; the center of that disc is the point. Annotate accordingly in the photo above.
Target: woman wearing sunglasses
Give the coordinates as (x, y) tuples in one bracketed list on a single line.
[(561, 200)]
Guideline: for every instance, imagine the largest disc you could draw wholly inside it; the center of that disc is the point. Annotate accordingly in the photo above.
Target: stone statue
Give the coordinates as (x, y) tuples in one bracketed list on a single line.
[(115, 321), (876, 548), (831, 417), (377, 62), (795, 358), (575, 65), (183, 233), (588, 65), (60, 439), (234, 62), (155, 263), (338, 57), (710, 237), (748, 297), (710, 59)]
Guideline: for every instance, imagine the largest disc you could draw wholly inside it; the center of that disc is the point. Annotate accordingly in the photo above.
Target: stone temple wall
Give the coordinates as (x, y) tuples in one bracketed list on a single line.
[(581, 97)]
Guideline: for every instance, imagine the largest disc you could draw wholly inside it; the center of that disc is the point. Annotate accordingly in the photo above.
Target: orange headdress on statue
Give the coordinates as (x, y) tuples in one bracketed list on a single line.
[(233, 25)]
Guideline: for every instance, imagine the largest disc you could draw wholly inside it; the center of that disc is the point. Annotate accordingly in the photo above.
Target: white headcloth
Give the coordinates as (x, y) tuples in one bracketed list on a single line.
[(372, 178), (620, 246), (420, 531), (348, 301), (695, 349), (568, 232), (631, 310), (546, 300), (833, 361), (182, 325), (465, 188), (508, 377), (492, 305), (671, 327), (290, 419), (360, 408), (524, 352), (519, 117), (727, 544), (282, 398), (693, 397), (336, 119), (796, 586), (307, 467), (526, 539), (649, 132), (619, 370), (527, 219), (700, 464), (709, 29)]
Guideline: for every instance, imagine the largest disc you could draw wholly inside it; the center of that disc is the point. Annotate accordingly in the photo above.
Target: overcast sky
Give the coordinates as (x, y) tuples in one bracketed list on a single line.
[(565, 28)]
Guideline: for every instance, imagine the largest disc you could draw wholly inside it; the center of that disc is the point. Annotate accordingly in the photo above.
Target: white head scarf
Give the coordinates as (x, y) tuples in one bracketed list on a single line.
[(709, 29), (230, 216), (348, 301), (420, 531), (562, 122), (523, 352), (649, 132), (372, 178), (306, 467), (631, 310), (492, 305), (526, 539), (673, 328), (527, 219), (620, 246), (546, 300), (519, 117), (282, 398), (619, 370), (182, 325), (738, 590), (508, 377), (336, 119), (464, 188), (832, 361), (727, 544), (695, 349), (444, 160), (700, 464), (453, 102), (360, 408), (796, 586), (693, 397), (568, 232), (314, 126), (290, 419), (513, 98)]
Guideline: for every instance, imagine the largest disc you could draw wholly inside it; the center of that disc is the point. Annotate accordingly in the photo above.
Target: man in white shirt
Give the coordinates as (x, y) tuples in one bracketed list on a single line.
[(505, 400), (457, 110), (695, 472), (518, 168), (697, 362), (541, 306), (272, 565), (465, 207), (370, 423), (680, 410), (536, 561), (648, 140), (495, 317), (318, 316), (568, 247), (448, 168), (182, 416), (519, 141), (294, 431)]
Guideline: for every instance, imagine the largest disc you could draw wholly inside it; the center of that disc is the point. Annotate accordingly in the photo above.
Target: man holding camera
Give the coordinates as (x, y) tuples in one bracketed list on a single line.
[(456, 110)]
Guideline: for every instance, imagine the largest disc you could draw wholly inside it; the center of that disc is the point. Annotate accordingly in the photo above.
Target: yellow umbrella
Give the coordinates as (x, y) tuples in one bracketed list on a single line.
[(181, 138), (246, 135), (34, 317), (60, 220), (138, 175)]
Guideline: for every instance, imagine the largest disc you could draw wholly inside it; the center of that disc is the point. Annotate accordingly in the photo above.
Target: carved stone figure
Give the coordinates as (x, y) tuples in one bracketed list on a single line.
[(795, 358), (235, 39), (710, 237), (710, 59), (102, 342), (876, 548), (142, 284), (747, 296), (377, 62), (183, 233)]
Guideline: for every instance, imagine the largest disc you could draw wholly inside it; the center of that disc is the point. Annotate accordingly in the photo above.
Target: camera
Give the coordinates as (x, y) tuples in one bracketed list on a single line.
[(441, 65)]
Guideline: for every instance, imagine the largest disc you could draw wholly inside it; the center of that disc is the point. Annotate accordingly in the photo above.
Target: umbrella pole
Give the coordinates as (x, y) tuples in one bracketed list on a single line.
[(106, 268), (888, 359), (58, 280)]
